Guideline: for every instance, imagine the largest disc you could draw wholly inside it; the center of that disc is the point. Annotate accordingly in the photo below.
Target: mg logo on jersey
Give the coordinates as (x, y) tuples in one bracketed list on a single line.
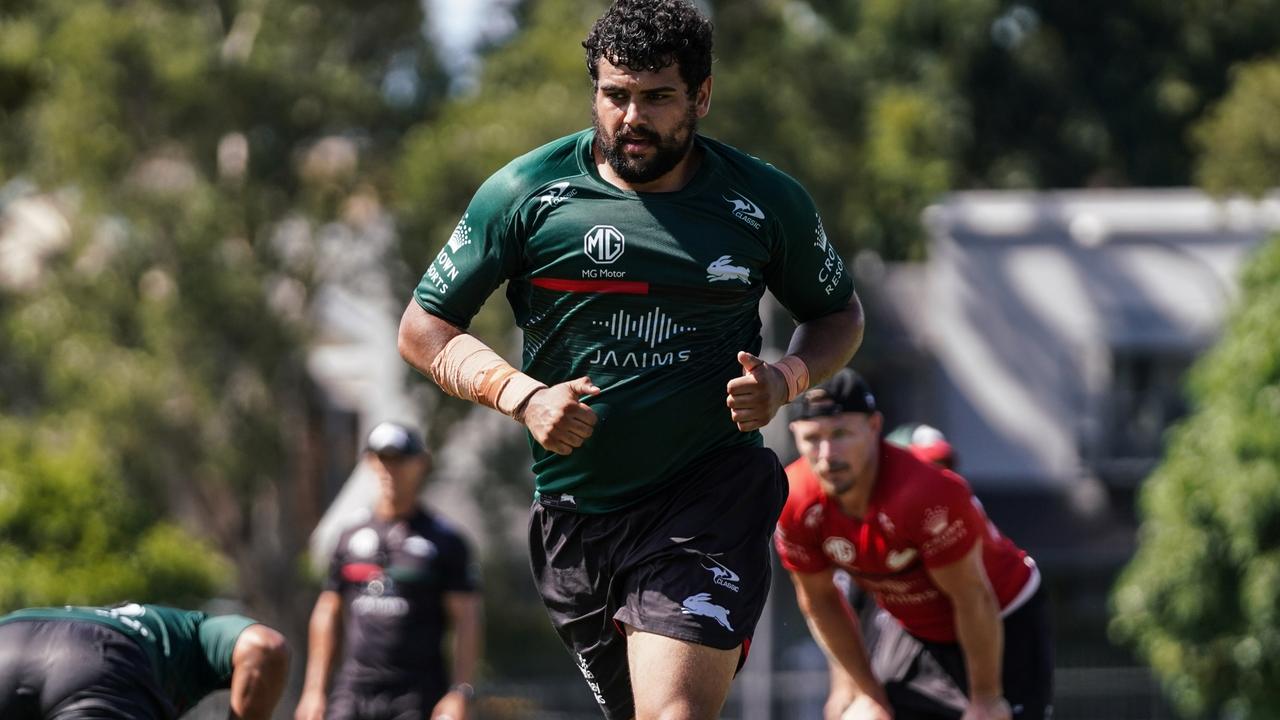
[(604, 244)]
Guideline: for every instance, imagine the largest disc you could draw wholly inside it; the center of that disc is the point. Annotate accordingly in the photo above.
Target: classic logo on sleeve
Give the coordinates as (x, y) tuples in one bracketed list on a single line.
[(556, 194), (744, 209)]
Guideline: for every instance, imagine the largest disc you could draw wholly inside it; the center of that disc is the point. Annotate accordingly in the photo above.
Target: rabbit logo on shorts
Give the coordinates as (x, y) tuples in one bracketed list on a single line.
[(701, 604)]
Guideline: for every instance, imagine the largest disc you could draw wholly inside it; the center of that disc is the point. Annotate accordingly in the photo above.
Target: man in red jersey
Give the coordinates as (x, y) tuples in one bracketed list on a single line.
[(913, 536)]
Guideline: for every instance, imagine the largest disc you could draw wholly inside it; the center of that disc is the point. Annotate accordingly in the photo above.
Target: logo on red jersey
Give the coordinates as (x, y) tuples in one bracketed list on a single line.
[(886, 523), (840, 550), (813, 517), (898, 559), (935, 519)]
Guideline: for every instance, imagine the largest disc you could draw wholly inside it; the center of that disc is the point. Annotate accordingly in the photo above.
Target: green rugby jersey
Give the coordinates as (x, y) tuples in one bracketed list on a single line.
[(190, 652), (652, 295)]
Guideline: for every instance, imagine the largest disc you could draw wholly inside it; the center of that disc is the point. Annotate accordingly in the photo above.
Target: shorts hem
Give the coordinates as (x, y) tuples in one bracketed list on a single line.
[(675, 632)]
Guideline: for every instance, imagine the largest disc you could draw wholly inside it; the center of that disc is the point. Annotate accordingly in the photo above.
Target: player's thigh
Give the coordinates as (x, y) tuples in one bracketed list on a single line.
[(19, 683), (572, 559), (678, 680)]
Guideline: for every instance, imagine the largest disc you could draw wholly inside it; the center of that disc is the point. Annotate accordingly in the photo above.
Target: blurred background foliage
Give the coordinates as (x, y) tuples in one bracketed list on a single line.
[(1200, 597), (176, 161), (1199, 600), (181, 161)]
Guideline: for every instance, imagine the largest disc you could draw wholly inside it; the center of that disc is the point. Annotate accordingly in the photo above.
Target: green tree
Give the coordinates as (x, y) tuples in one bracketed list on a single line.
[(151, 376), (1199, 598), (1238, 139)]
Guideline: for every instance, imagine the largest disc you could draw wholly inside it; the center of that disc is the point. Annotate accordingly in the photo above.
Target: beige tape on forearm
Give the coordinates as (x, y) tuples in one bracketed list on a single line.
[(796, 374), (469, 369)]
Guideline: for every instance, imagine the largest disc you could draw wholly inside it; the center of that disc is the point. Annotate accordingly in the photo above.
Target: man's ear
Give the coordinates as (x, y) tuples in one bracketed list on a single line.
[(702, 103), (876, 422)]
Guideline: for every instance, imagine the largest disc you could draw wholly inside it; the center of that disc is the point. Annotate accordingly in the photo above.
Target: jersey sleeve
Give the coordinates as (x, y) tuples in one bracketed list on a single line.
[(333, 578), (799, 547), (459, 571), (806, 273), (480, 255), (218, 637), (947, 524)]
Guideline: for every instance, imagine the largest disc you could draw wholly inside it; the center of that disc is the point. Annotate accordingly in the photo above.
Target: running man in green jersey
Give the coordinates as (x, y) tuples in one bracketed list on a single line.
[(636, 254), (135, 662)]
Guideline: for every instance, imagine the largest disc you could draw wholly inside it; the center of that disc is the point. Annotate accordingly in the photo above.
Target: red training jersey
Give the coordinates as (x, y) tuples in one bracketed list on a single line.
[(919, 516)]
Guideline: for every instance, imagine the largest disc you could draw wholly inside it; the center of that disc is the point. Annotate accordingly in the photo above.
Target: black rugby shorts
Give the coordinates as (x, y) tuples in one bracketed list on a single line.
[(691, 562), (1027, 667), (70, 670), (350, 701)]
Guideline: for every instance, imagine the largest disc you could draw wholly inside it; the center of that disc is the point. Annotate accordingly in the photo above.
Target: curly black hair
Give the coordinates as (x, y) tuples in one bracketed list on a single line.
[(651, 35)]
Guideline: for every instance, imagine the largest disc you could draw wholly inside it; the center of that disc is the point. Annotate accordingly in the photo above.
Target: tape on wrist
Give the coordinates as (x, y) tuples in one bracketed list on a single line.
[(796, 374), (467, 368)]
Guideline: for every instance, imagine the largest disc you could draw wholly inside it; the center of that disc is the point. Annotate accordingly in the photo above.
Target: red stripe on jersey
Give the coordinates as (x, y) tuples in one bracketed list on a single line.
[(360, 572), (623, 287)]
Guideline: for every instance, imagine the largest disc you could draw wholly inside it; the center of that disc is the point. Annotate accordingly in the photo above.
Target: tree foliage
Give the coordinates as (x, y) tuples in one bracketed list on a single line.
[(1199, 599), (151, 373), (1239, 140), (1200, 596)]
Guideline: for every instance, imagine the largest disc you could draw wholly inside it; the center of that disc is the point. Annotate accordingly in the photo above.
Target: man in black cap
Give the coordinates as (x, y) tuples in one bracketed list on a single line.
[(396, 582), (916, 685), (912, 535)]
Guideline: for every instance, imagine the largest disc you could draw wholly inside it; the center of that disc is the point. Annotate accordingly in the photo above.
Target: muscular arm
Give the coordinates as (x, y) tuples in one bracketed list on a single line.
[(978, 625), (463, 610), (323, 638), (554, 415), (423, 336), (260, 666), (837, 631), (825, 344)]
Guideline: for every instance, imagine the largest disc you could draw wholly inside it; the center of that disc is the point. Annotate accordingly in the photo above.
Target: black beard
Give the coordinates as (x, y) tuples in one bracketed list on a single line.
[(669, 150)]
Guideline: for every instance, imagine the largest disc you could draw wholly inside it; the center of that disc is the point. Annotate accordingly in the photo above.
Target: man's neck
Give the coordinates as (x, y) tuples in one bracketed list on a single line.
[(675, 179), (387, 511)]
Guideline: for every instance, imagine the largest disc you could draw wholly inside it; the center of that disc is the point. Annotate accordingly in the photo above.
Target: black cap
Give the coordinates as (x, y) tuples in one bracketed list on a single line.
[(393, 438), (845, 392)]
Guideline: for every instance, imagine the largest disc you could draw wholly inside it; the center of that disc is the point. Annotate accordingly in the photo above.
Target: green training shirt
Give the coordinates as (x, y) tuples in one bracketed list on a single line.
[(652, 295), (190, 652)]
